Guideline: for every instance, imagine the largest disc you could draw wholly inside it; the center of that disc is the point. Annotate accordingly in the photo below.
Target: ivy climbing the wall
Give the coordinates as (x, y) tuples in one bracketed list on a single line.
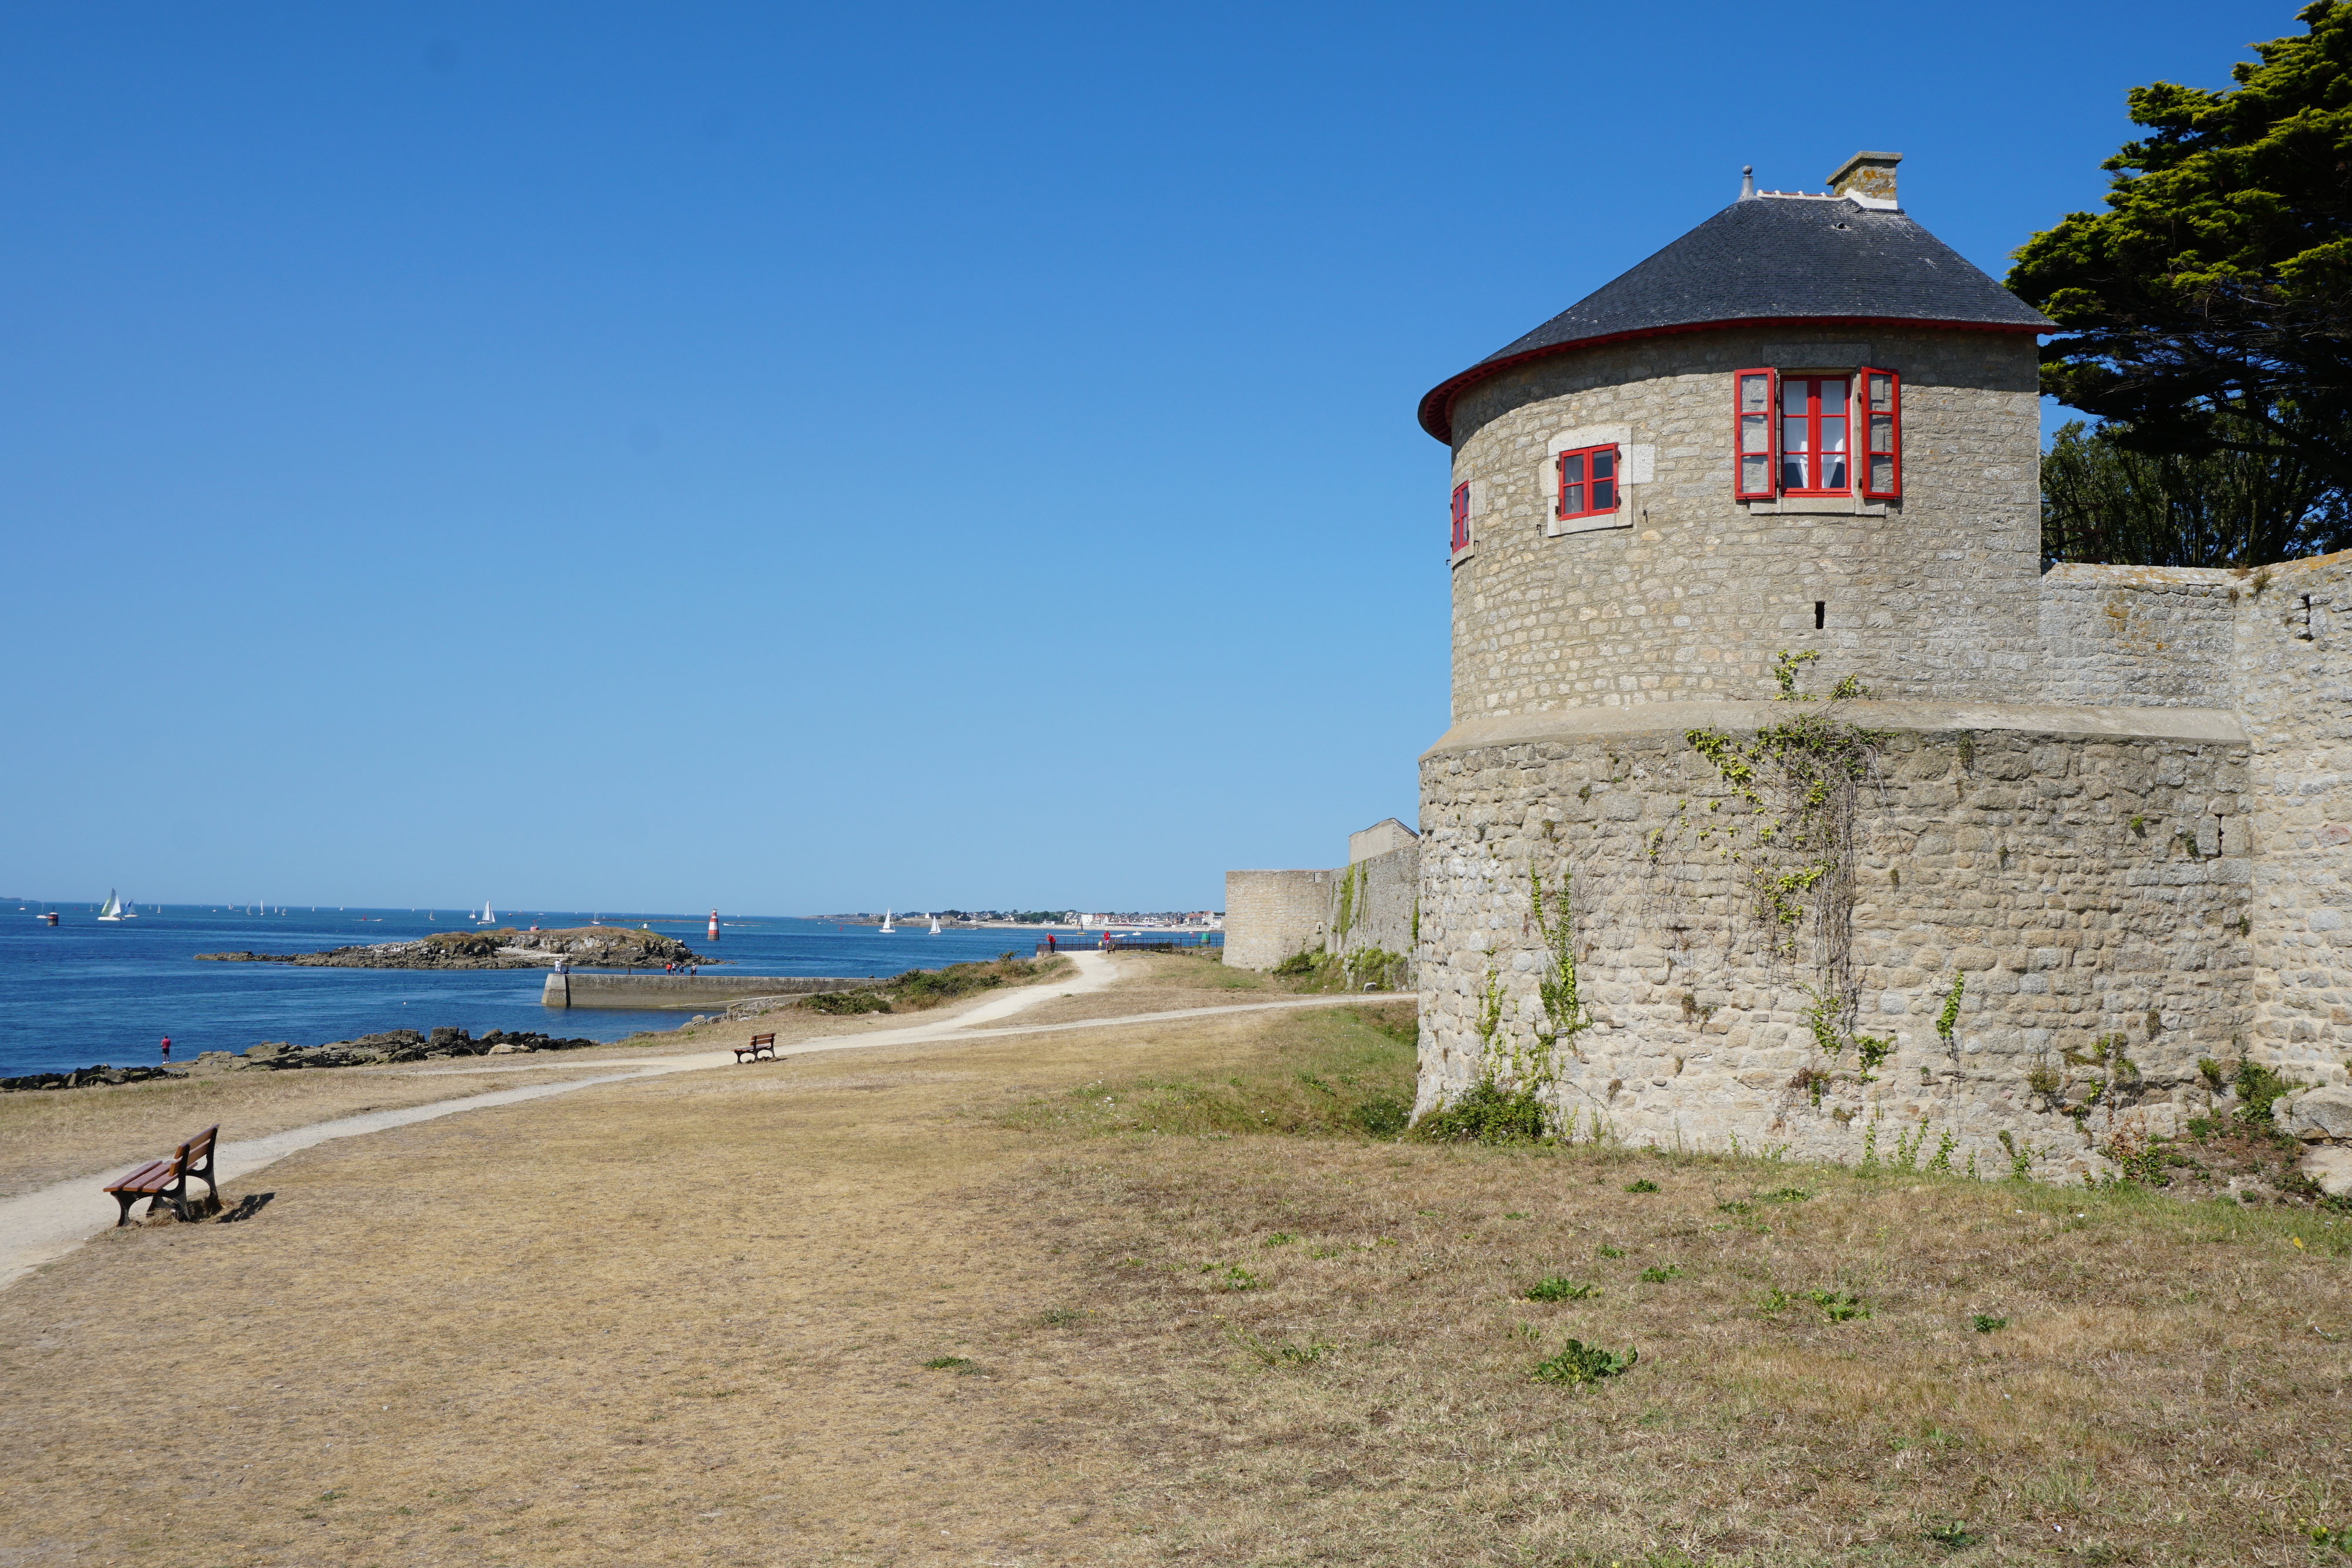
[(1801, 779), (1512, 1098)]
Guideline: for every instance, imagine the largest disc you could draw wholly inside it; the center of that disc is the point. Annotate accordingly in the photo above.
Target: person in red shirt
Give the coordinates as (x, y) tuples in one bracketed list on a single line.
[(167, 1048)]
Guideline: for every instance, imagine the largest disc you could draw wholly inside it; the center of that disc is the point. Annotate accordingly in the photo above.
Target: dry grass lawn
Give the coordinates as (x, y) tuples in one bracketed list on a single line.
[(960, 1305), (54, 1135)]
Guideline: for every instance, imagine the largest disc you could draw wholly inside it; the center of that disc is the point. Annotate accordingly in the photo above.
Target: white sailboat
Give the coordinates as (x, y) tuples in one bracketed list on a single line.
[(487, 918), (935, 924), (112, 909), (130, 912), (887, 927)]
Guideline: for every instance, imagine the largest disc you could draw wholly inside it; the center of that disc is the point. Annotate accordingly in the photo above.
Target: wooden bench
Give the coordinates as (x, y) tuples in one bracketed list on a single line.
[(166, 1181), (760, 1043)]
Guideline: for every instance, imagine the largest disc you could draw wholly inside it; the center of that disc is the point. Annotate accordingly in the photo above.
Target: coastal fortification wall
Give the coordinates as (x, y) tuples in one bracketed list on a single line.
[(2292, 665), (1372, 904), (2087, 872), (2138, 635), (1690, 601), (1271, 914)]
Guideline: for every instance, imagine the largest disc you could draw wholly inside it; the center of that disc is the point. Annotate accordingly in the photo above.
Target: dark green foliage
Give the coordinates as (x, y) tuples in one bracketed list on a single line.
[(2210, 305), (1984, 1323), (1557, 1289), (955, 1363), (2257, 1087), (1786, 1195), (1488, 1114), (2104, 501), (918, 989), (1660, 1274), (1643, 1185), (847, 1002), (1579, 1362), (1383, 1117), (1299, 963)]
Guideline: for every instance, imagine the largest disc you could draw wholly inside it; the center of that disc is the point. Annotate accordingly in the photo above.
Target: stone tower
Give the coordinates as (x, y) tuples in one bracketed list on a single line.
[(1792, 454)]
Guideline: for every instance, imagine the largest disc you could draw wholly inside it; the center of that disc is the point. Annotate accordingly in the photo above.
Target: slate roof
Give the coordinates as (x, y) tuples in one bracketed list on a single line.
[(1776, 259)]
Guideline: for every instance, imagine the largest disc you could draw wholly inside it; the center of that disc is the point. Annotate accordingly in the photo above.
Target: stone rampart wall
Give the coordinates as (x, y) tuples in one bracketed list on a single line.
[(2293, 669), (2088, 884), (2138, 636), (1379, 894), (1271, 914)]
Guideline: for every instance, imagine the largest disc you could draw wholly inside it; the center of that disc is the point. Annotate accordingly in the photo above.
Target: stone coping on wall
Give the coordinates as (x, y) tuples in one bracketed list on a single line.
[(2191, 723)]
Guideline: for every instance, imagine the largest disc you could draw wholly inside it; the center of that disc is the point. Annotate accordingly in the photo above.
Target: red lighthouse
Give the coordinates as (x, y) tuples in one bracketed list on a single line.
[(714, 926)]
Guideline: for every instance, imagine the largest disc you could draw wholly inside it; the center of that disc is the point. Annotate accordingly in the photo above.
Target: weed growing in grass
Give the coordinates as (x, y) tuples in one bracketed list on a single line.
[(1785, 1194), (1235, 1278), (955, 1363), (1984, 1322), (1515, 1214), (1658, 1274), (1557, 1289), (1279, 1238), (1840, 1306), (1952, 1537), (2321, 1535), (1060, 1317), (1775, 1300), (1643, 1185), (1276, 1353), (1735, 1206), (1608, 1251), (1579, 1362)]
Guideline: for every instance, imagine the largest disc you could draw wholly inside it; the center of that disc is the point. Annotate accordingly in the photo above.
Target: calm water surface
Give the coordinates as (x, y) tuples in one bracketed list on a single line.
[(86, 992)]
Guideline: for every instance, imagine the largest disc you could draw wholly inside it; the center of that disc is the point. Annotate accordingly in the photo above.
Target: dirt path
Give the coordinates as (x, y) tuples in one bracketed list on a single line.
[(40, 1225)]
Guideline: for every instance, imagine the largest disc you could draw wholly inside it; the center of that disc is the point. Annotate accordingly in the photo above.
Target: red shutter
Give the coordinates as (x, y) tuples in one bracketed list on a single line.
[(1755, 449), (1878, 414), (1461, 517)]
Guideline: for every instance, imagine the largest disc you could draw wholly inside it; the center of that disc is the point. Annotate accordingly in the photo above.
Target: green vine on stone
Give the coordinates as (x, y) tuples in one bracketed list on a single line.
[(1950, 1017), (1555, 986)]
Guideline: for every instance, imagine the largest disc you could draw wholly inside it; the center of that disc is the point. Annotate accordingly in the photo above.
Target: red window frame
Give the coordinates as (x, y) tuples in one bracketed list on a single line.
[(1815, 425), (1461, 517), (1755, 419), (1583, 482), (1878, 397)]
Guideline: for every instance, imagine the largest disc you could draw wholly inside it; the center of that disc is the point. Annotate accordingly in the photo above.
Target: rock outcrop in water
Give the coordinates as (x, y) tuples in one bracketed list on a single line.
[(392, 1045), (279, 1055), (588, 947), (87, 1077)]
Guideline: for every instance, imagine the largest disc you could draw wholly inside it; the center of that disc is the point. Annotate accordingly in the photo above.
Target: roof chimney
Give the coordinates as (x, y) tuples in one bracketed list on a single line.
[(1747, 182), (1867, 178)]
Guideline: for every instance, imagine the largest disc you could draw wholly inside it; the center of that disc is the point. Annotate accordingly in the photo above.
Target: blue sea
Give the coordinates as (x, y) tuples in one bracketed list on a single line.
[(86, 992)]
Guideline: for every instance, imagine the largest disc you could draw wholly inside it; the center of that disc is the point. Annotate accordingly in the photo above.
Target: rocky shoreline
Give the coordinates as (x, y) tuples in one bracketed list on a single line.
[(392, 1045), (586, 946)]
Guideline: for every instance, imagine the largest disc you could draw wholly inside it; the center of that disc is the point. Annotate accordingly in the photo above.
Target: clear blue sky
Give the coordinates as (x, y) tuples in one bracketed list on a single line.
[(794, 458)]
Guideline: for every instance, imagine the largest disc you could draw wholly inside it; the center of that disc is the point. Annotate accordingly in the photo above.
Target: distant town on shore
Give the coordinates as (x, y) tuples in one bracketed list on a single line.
[(1167, 920)]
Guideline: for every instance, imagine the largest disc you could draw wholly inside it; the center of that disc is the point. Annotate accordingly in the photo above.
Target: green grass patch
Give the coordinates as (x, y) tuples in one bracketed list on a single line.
[(1345, 1072)]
